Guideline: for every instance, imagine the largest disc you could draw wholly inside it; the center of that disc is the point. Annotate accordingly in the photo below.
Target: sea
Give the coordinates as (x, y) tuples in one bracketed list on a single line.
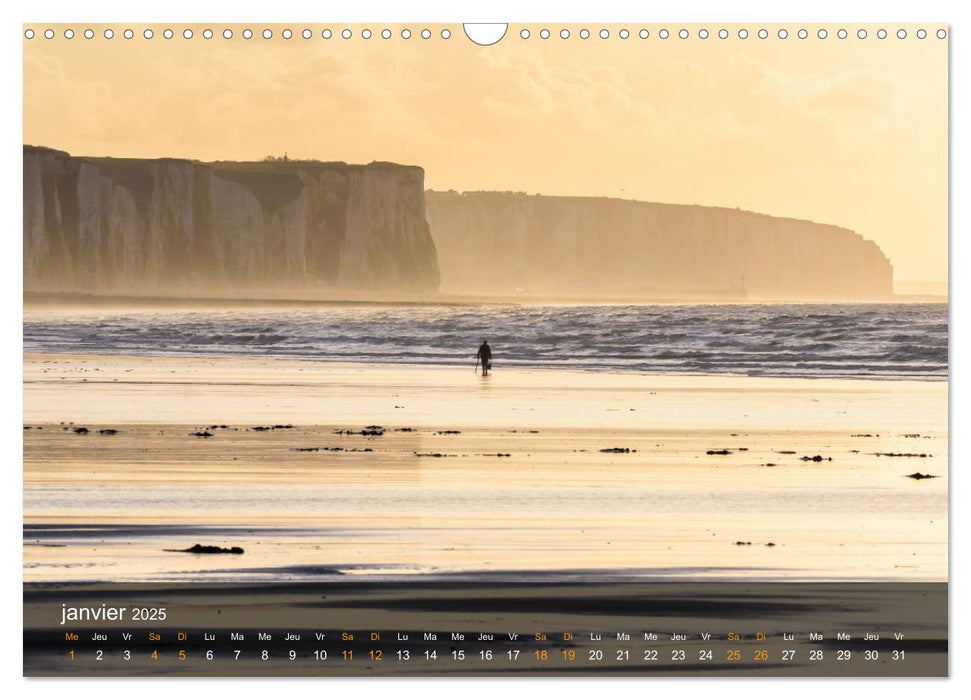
[(861, 341), (811, 487)]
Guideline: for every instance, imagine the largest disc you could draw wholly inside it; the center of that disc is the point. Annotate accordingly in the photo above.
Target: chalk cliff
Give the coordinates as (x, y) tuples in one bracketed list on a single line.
[(498, 243), (166, 226)]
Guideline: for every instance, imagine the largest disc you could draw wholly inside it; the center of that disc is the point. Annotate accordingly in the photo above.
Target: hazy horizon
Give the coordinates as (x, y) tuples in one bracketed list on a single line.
[(710, 352), (908, 287), (845, 132)]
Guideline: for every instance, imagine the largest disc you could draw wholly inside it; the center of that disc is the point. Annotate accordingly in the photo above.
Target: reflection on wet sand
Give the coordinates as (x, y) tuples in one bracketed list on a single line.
[(318, 471)]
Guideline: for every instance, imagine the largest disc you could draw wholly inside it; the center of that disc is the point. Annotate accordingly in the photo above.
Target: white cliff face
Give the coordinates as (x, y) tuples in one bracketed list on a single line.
[(171, 227), (493, 242)]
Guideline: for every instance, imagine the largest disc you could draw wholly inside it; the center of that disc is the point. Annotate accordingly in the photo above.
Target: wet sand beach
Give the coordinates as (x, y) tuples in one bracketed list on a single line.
[(522, 473)]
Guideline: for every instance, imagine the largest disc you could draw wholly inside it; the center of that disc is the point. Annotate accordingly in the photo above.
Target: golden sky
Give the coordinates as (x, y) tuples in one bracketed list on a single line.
[(849, 132)]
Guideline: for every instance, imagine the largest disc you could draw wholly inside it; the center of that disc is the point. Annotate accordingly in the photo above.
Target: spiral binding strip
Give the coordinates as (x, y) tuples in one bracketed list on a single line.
[(446, 33)]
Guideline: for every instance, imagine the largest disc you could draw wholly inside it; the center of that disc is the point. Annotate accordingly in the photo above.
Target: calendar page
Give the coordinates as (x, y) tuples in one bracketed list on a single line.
[(527, 349)]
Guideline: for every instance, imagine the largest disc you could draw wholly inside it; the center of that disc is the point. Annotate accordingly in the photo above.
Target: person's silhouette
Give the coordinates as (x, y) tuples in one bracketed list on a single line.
[(485, 356)]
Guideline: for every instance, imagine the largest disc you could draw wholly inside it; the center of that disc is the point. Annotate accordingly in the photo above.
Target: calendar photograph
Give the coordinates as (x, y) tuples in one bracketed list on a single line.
[(443, 349)]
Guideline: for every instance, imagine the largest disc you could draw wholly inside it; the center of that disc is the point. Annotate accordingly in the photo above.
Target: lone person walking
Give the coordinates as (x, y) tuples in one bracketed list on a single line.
[(485, 356)]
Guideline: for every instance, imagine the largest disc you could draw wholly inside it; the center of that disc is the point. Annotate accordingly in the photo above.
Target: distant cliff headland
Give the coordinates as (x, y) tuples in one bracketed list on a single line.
[(500, 242), (179, 227), (316, 230)]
